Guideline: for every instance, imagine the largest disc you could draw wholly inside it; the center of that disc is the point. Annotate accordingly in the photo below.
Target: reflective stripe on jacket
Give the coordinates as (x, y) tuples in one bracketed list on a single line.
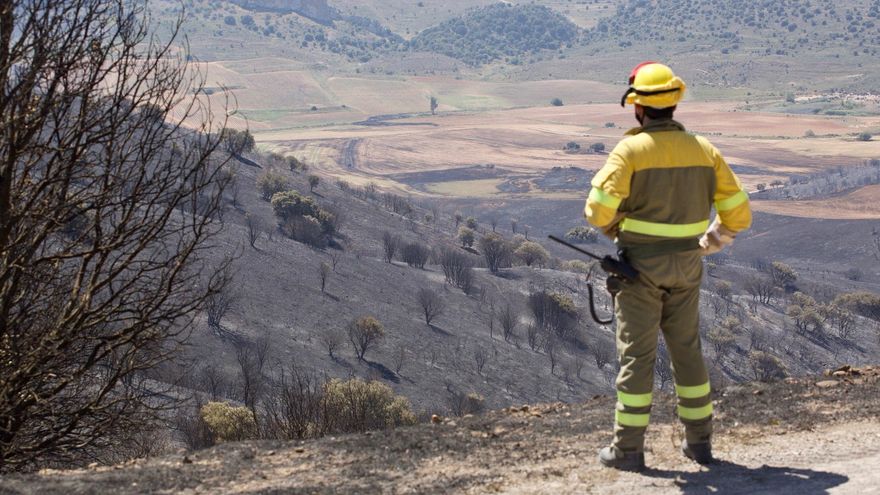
[(665, 181)]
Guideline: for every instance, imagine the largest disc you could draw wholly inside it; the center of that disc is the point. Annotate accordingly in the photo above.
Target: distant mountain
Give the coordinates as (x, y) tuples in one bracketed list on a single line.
[(317, 10), (818, 44), (763, 27), (496, 32)]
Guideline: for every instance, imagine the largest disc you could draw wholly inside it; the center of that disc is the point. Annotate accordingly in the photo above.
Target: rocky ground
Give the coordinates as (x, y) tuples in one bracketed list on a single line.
[(804, 436)]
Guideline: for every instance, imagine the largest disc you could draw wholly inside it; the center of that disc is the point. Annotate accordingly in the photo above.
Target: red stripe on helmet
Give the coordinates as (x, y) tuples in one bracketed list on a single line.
[(632, 75)]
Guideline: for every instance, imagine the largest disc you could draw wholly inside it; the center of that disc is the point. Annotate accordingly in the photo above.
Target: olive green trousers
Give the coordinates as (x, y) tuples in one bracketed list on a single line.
[(666, 297)]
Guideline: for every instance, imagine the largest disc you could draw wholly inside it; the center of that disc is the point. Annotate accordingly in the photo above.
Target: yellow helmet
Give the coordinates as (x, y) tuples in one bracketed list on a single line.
[(652, 84)]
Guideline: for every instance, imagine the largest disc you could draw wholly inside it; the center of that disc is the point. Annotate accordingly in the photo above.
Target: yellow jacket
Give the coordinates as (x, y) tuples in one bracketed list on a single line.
[(660, 183)]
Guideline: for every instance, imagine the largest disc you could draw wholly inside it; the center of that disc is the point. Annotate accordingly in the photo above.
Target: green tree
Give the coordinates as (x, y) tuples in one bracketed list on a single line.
[(532, 253), (270, 182), (765, 366), (238, 142), (229, 423), (289, 204), (354, 405), (466, 236), (365, 333), (782, 274), (497, 252)]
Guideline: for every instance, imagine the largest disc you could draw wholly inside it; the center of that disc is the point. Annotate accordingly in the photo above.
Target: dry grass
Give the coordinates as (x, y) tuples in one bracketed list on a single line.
[(858, 205), (471, 188)]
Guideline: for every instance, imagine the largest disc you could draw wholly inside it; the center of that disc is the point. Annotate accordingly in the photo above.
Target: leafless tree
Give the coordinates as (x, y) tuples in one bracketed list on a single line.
[(552, 348), (508, 319), (217, 304), (461, 403), (331, 340), (324, 273), (457, 268), (234, 188), (254, 226), (457, 217), (189, 423), (761, 288), (480, 358), (212, 381), (399, 358), (251, 359), (493, 220), (390, 243), (415, 255), (295, 408), (533, 335), (107, 205), (335, 258), (431, 303)]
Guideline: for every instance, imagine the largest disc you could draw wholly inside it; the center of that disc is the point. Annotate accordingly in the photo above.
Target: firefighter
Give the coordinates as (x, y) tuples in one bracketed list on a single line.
[(654, 197)]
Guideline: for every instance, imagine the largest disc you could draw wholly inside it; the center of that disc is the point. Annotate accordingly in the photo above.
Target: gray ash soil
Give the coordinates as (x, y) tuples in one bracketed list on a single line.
[(804, 436)]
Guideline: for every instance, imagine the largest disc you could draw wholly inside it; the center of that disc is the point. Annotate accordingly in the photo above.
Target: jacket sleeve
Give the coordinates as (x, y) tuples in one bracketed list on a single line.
[(731, 201), (610, 186)]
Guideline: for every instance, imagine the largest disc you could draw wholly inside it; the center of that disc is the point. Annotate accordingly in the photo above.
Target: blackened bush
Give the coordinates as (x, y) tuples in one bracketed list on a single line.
[(415, 255), (554, 312), (390, 243), (457, 268), (497, 252)]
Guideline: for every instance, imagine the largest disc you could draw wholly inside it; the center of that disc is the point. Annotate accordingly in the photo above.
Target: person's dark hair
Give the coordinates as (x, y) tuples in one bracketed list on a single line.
[(659, 113)]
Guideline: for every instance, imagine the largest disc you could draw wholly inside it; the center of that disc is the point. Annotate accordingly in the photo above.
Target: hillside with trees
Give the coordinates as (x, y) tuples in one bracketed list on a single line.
[(500, 31), (164, 283), (734, 43), (761, 27)]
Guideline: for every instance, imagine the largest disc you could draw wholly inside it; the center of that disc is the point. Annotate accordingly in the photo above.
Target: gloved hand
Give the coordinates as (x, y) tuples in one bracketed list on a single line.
[(716, 238), (610, 230)]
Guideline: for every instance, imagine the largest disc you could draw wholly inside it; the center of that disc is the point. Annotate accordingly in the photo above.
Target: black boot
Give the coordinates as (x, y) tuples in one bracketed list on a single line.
[(625, 461), (699, 452)]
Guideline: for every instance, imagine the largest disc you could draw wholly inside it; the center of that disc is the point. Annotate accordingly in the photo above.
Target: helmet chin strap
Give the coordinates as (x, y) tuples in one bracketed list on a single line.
[(644, 93)]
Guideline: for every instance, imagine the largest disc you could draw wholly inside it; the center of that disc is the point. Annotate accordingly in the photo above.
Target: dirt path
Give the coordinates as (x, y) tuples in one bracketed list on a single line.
[(809, 436), (350, 154), (839, 459)]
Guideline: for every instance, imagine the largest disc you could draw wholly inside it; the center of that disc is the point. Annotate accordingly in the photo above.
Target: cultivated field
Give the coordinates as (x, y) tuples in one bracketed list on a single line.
[(498, 139)]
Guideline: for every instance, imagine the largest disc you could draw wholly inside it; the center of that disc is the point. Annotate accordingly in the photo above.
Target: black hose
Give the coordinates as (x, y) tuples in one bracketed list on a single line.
[(593, 307)]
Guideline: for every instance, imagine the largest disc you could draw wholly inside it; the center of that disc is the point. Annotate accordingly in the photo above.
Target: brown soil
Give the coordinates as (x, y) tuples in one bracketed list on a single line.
[(803, 436)]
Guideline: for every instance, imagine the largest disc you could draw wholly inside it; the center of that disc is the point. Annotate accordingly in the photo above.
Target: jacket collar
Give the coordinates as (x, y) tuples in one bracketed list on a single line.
[(661, 125)]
